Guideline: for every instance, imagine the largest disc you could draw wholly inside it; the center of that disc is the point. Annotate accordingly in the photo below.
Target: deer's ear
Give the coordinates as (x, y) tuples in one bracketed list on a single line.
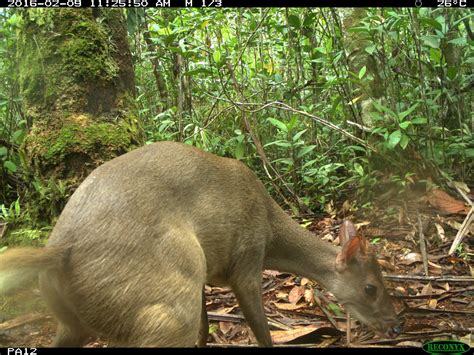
[(347, 231), (349, 249)]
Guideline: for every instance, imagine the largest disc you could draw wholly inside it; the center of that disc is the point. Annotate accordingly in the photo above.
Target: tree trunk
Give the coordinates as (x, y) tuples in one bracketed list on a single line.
[(358, 58), (77, 84)]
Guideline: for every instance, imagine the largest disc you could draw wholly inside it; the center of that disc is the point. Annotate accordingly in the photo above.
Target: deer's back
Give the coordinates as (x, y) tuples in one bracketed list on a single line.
[(132, 201)]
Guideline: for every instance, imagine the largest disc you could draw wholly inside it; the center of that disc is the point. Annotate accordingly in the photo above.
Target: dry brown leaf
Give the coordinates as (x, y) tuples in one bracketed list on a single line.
[(454, 224), (328, 237), (271, 273), (295, 294), (445, 286), (468, 339), (290, 281), (304, 281), (309, 296), (446, 203), (401, 290), (346, 206), (225, 310), (434, 266), (289, 306), (409, 343), (284, 336), (329, 209), (432, 303), (460, 185), (427, 289), (435, 271), (385, 264), (281, 295), (440, 231), (325, 222), (411, 258), (225, 327)]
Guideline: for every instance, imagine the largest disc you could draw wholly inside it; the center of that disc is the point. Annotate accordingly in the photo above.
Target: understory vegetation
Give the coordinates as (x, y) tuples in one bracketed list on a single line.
[(325, 105)]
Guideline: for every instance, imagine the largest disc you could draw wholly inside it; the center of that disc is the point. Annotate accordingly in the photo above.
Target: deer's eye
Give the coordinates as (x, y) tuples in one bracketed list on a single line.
[(370, 290)]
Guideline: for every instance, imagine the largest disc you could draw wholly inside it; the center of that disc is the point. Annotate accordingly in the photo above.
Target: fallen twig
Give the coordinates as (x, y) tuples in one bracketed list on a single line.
[(423, 246), (18, 321), (435, 295), (462, 231), (429, 278)]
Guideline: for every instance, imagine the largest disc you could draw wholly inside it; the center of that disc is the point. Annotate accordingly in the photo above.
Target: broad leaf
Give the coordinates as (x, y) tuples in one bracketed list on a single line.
[(9, 165), (280, 125), (305, 150), (394, 139)]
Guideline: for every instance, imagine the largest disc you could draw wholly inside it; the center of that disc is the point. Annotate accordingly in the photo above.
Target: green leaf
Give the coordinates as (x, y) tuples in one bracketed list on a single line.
[(370, 49), (9, 165), (294, 21), (359, 169), (430, 22), (403, 114), (298, 135), (357, 148), (458, 41), (284, 144), (335, 308), (419, 120), (217, 56), (405, 124), (18, 136), (404, 141), (287, 161), (239, 151), (469, 153), (431, 41), (17, 208), (394, 139), (280, 143), (280, 125), (362, 72), (452, 72), (309, 163), (382, 108), (309, 20), (3, 151), (435, 55), (305, 150)]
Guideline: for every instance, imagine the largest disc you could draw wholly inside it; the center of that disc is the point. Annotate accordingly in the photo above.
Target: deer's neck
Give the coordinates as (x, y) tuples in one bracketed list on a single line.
[(294, 249)]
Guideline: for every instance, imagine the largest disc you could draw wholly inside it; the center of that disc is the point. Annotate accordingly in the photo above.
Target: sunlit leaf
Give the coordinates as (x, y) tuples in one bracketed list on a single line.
[(431, 41), (280, 125), (404, 141), (9, 165), (370, 49), (394, 139)]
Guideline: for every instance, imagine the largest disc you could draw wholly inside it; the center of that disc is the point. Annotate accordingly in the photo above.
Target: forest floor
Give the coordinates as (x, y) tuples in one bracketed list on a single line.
[(433, 291)]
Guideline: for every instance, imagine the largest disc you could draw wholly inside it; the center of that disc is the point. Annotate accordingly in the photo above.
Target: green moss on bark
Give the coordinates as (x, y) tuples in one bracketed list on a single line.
[(77, 83)]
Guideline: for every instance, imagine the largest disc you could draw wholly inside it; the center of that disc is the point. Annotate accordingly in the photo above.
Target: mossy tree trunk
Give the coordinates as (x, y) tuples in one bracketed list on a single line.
[(77, 85), (358, 57)]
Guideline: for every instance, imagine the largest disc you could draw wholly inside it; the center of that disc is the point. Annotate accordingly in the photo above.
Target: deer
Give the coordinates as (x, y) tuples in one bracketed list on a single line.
[(136, 243)]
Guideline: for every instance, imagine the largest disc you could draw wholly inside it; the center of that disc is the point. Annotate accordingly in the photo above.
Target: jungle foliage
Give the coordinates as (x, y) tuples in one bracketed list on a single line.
[(321, 103)]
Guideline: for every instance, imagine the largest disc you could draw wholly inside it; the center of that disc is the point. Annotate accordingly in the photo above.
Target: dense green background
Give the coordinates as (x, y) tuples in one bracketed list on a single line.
[(335, 102)]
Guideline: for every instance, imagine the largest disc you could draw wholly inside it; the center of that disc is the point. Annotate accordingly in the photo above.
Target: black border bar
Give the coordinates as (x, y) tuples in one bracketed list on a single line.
[(234, 3)]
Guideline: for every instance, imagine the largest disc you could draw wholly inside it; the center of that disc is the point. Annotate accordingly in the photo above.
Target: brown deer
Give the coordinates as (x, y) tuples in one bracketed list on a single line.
[(137, 241)]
